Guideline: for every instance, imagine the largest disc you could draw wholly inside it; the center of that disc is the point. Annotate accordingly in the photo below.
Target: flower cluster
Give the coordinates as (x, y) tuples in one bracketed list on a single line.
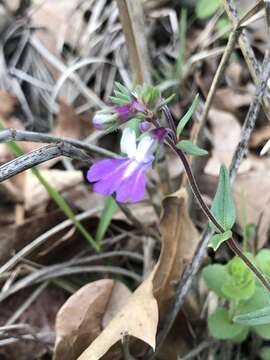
[(125, 177)]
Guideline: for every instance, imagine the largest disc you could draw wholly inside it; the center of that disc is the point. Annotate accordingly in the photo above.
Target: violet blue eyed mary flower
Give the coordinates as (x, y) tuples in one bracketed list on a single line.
[(126, 177), (115, 115)]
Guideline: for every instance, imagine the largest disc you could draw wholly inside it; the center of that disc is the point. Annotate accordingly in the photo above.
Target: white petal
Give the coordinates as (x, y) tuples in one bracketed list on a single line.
[(144, 152), (130, 169), (265, 148), (128, 142)]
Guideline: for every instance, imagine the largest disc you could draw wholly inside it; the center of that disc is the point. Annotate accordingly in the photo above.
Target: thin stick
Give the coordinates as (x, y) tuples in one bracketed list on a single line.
[(217, 78), (39, 156), (20, 135)]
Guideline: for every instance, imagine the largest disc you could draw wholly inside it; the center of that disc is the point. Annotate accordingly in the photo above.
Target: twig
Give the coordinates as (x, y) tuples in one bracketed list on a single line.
[(252, 115), (44, 237), (217, 78), (248, 53), (55, 271), (39, 156), (20, 135)]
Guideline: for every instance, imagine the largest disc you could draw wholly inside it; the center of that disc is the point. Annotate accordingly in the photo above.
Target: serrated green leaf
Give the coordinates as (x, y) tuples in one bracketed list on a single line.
[(218, 239), (258, 317), (240, 283), (182, 123), (214, 276), (206, 8), (221, 327), (223, 206), (190, 148), (106, 217)]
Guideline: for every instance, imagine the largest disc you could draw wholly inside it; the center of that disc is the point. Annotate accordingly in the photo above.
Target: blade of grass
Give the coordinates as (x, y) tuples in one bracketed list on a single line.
[(105, 219), (54, 194)]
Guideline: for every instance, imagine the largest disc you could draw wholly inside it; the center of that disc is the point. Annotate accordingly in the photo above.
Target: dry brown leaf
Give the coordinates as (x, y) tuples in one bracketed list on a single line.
[(35, 193), (260, 136), (70, 124), (138, 317), (84, 315), (228, 100), (226, 134), (180, 239)]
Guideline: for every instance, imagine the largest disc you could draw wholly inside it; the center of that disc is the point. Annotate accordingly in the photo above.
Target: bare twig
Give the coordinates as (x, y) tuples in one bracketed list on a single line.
[(39, 156), (55, 271), (21, 135), (248, 53)]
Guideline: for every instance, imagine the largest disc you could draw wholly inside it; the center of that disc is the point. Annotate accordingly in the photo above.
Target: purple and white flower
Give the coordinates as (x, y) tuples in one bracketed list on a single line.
[(115, 115), (126, 177)]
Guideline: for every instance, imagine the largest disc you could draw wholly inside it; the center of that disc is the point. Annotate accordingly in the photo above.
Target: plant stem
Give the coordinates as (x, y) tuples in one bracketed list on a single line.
[(196, 191)]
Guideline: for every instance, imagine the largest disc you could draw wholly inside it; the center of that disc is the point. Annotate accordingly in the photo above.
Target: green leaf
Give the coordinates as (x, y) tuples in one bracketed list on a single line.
[(166, 101), (240, 283), (214, 276), (122, 88), (258, 317), (190, 148), (106, 217), (223, 207), (117, 101), (265, 353), (262, 259), (182, 123), (218, 239), (221, 327), (55, 195), (206, 8)]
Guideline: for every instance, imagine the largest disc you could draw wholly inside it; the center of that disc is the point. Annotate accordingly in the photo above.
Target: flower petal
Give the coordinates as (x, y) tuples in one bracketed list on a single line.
[(133, 187), (144, 152), (102, 168), (128, 142)]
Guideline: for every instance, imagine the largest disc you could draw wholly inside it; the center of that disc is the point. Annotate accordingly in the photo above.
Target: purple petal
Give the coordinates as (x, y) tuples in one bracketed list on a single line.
[(133, 187), (103, 168), (110, 181)]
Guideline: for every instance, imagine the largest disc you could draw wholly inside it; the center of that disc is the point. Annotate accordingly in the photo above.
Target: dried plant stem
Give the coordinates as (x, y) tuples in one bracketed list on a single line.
[(217, 78), (39, 156), (21, 135), (248, 53)]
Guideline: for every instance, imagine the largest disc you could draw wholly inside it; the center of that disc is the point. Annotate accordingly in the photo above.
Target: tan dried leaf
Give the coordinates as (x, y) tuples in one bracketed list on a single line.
[(84, 315), (36, 194), (226, 134), (139, 316)]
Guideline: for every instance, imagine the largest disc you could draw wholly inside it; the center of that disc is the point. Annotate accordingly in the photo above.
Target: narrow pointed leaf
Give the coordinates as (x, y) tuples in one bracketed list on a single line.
[(182, 123), (223, 206), (166, 101), (190, 148), (218, 239), (106, 217)]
